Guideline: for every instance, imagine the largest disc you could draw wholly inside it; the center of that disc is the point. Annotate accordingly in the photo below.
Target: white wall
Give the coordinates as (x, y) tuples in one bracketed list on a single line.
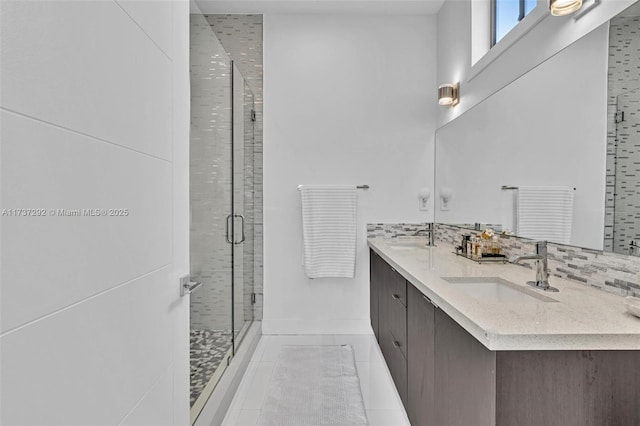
[(348, 100), (94, 114), (543, 129), (550, 36)]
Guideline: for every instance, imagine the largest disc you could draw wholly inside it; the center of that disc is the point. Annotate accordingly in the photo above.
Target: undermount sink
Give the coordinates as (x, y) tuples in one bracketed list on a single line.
[(496, 289), (409, 245)]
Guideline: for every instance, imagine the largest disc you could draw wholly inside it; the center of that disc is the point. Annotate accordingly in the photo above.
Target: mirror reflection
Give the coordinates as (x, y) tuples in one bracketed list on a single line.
[(555, 155)]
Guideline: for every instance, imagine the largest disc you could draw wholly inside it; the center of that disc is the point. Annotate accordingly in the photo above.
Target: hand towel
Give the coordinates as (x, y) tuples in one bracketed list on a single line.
[(545, 213), (329, 230)]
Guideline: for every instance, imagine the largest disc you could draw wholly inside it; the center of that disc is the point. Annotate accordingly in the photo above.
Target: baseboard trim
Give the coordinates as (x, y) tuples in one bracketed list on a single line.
[(219, 402), (323, 326)]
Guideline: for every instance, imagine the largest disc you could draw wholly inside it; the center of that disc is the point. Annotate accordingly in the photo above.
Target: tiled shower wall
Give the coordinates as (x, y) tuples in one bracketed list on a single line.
[(210, 178), (622, 205), (610, 272), (244, 308), (241, 36)]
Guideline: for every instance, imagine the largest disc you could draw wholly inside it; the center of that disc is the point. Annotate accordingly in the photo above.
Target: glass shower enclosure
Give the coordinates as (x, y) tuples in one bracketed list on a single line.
[(221, 209), (626, 203)]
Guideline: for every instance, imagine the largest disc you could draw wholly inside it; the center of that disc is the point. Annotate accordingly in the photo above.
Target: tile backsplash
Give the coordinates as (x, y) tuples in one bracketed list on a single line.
[(610, 272), (395, 229)]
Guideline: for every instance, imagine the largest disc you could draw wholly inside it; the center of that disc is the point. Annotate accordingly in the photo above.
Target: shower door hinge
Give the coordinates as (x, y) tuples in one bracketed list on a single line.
[(253, 115), (619, 116), (253, 298)]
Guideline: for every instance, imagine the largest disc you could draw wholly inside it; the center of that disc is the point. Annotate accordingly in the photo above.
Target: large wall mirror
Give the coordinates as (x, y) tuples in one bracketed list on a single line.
[(567, 133)]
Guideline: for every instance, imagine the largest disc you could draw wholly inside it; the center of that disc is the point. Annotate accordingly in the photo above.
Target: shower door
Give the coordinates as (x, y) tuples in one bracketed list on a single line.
[(626, 218), (222, 210), (211, 204)]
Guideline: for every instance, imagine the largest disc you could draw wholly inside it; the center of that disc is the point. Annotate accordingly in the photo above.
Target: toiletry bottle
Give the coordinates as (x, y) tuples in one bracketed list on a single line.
[(495, 245), (475, 252)]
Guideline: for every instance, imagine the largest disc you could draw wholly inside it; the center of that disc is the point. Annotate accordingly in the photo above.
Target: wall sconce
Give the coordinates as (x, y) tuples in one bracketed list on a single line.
[(445, 196), (448, 94), (423, 198), (564, 7)]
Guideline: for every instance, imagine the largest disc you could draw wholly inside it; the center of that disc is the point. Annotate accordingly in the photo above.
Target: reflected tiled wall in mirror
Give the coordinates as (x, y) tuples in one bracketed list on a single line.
[(622, 209)]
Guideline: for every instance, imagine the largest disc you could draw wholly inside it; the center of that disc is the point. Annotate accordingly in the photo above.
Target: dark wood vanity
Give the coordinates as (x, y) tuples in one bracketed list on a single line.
[(445, 376)]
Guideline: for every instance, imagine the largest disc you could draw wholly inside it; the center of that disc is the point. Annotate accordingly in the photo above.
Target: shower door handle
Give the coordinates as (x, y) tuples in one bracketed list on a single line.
[(243, 235), (227, 231)]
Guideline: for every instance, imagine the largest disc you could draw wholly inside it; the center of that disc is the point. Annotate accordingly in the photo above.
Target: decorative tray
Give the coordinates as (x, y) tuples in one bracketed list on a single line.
[(495, 258)]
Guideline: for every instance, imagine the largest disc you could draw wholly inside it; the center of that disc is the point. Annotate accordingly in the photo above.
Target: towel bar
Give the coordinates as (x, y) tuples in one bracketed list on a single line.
[(505, 187), (358, 186)]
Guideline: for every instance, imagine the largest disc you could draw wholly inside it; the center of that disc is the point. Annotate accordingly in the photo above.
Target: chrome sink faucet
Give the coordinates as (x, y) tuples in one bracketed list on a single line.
[(429, 232), (542, 266)]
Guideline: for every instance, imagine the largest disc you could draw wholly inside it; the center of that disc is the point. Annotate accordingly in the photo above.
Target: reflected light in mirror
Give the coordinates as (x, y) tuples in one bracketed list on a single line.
[(445, 195), (564, 7)]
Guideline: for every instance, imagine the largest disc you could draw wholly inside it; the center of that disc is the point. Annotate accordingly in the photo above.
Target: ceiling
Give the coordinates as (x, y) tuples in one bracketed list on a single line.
[(376, 7)]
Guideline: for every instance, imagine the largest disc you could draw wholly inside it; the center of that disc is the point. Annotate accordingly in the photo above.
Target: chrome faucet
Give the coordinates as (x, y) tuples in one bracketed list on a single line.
[(542, 266), (429, 232)]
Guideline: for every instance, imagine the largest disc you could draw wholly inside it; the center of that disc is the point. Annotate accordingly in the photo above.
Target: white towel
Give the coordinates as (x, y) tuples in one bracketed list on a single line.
[(329, 230), (545, 213)]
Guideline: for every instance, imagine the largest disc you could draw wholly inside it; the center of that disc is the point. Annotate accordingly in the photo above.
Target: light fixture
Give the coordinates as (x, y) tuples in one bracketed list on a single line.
[(448, 94), (564, 7)]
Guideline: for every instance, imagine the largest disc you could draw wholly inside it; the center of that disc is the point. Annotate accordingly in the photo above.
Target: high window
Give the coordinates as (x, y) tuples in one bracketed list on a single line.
[(505, 15)]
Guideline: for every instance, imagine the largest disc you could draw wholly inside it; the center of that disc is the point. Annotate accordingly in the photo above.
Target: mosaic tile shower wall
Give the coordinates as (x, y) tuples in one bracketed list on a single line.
[(210, 178), (241, 36), (622, 204), (627, 195), (243, 152), (244, 306)]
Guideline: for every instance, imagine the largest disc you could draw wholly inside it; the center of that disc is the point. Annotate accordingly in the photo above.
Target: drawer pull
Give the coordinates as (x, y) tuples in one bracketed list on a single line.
[(395, 296), (393, 270), (430, 301), (396, 344)]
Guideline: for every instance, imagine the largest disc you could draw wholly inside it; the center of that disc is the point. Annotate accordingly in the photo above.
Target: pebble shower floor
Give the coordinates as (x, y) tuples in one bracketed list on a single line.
[(208, 348)]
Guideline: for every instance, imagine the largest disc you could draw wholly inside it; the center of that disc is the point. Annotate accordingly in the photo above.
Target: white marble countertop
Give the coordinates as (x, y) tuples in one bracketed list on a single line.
[(583, 319)]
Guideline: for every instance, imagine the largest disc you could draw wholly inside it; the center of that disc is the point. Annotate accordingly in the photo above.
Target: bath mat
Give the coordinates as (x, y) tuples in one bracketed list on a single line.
[(314, 385)]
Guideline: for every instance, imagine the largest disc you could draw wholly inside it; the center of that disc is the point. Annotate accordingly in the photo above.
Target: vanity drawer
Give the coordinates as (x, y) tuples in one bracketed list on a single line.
[(398, 325), (397, 364), (397, 286)]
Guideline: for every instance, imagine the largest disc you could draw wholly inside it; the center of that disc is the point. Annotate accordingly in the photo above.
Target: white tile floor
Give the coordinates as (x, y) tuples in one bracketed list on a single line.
[(381, 399)]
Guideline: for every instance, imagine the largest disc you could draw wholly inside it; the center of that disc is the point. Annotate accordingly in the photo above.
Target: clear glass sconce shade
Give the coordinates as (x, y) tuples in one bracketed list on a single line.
[(564, 7)]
